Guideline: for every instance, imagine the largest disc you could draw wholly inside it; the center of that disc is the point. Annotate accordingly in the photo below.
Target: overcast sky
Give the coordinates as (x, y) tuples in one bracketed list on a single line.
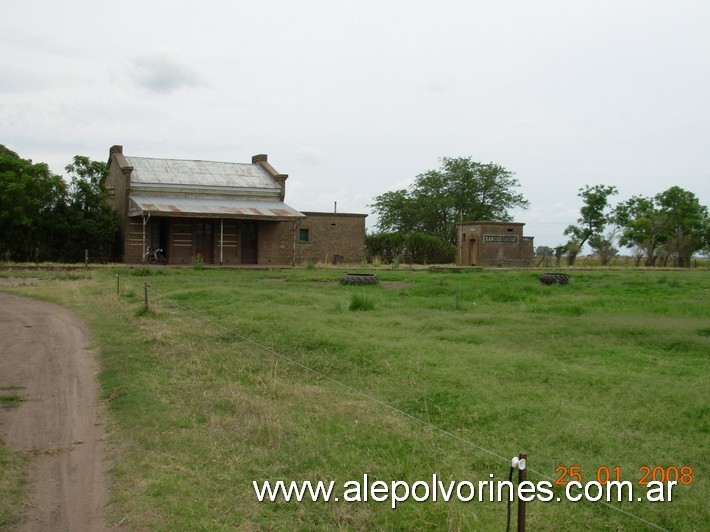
[(355, 98)]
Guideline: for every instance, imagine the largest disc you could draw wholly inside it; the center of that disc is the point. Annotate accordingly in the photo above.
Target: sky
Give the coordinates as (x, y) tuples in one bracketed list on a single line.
[(352, 99)]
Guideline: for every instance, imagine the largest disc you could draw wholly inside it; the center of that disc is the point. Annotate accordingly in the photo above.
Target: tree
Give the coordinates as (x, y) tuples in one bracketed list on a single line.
[(94, 225), (603, 247), (593, 218), (43, 218), (642, 225), (687, 224), (460, 189), (30, 199), (672, 225), (545, 253), (559, 251)]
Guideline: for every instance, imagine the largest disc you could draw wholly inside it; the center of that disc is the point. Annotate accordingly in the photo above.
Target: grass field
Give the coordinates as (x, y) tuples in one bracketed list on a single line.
[(427, 372)]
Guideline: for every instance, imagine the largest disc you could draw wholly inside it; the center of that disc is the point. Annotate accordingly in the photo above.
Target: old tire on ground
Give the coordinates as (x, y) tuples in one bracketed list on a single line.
[(554, 278), (358, 278)]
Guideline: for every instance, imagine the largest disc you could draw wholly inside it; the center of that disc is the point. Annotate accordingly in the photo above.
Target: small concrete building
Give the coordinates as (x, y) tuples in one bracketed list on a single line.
[(484, 243), (227, 213)]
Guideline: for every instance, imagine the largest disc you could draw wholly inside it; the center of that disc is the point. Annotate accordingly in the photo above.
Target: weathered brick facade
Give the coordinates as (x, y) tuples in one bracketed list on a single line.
[(484, 243), (227, 213), (331, 238)]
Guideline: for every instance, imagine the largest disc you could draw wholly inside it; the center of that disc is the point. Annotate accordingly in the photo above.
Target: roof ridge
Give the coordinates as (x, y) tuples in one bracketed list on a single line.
[(186, 160)]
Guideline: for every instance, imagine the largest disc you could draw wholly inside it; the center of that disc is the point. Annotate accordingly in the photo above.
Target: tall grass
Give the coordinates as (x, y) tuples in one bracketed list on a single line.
[(211, 393), (361, 301)]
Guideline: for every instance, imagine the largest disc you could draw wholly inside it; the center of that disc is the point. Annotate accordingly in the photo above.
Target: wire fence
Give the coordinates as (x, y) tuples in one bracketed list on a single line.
[(148, 290)]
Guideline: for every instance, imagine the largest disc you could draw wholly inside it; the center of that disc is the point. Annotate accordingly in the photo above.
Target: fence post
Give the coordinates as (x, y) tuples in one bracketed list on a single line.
[(86, 258), (118, 285), (522, 476), (145, 292)]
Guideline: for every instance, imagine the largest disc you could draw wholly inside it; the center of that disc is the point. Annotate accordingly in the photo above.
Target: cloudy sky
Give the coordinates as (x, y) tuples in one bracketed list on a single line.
[(355, 98)]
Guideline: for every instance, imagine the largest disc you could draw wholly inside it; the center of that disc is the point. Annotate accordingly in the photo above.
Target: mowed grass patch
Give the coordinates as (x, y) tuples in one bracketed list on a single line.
[(608, 370)]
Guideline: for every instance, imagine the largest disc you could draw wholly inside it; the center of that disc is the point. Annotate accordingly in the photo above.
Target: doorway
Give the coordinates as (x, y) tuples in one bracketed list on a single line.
[(472, 251), (204, 241), (250, 242), (159, 235)]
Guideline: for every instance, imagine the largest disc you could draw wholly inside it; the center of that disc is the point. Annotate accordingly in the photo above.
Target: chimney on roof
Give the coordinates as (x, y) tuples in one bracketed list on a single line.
[(116, 148), (262, 160), (281, 180)]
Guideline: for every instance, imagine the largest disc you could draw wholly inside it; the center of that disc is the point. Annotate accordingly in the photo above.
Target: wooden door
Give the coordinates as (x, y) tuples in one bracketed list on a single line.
[(472, 252), (250, 242), (204, 241)]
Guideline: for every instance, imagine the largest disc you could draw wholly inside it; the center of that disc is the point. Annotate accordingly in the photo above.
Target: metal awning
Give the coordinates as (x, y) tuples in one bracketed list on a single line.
[(213, 208)]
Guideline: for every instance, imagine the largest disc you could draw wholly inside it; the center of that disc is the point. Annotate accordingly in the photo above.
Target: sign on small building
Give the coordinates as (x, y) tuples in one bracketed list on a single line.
[(484, 243)]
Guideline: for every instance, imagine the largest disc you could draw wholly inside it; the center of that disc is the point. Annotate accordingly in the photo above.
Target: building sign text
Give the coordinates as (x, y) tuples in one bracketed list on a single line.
[(500, 239)]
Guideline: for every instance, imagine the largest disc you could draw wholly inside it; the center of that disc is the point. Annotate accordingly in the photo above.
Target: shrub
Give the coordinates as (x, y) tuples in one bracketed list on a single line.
[(361, 301), (412, 248)]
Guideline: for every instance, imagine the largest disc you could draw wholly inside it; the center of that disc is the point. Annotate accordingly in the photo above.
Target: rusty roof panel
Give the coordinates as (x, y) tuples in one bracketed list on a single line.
[(212, 207)]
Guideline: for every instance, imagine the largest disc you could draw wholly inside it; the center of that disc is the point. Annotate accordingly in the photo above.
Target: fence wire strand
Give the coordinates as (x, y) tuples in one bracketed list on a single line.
[(423, 422)]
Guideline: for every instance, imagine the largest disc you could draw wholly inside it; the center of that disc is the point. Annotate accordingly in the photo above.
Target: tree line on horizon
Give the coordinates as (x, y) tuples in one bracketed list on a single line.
[(45, 218), (668, 228)]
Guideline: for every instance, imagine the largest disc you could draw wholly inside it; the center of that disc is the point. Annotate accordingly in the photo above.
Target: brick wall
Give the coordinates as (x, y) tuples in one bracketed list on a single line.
[(275, 243), (494, 244), (323, 236), (117, 187)]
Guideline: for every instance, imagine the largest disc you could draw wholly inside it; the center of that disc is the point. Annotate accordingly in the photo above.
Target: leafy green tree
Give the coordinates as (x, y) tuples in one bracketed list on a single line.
[(603, 247), (559, 251), (94, 224), (687, 224), (460, 189), (42, 218), (397, 210), (642, 225), (672, 225), (30, 199), (594, 217)]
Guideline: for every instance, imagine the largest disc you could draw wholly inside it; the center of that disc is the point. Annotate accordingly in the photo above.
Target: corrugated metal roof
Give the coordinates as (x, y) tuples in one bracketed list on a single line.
[(213, 208), (203, 173)]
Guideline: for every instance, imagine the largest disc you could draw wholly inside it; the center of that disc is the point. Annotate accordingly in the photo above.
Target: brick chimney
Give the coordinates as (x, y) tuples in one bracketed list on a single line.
[(281, 180), (116, 154), (263, 160)]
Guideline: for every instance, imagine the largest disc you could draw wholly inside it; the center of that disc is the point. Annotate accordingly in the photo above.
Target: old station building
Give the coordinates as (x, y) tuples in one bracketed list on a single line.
[(484, 243), (227, 213)]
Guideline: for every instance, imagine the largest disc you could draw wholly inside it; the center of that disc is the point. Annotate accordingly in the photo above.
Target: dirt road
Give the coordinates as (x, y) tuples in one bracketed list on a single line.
[(46, 359)]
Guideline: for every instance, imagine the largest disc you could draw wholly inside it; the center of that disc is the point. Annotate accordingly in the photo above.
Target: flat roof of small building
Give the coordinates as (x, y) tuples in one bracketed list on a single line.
[(487, 222)]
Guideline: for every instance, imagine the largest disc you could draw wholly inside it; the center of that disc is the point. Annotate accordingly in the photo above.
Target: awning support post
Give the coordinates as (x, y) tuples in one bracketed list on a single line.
[(221, 241), (293, 256), (143, 252)]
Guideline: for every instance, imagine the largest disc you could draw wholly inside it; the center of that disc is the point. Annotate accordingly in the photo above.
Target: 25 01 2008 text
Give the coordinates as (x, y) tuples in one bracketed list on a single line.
[(683, 474)]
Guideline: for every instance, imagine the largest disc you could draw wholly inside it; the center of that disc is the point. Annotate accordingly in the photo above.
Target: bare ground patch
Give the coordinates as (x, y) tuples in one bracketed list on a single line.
[(47, 363)]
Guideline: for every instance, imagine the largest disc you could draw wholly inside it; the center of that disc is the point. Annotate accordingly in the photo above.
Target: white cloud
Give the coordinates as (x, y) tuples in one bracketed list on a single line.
[(309, 155), (163, 72), (354, 99)]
